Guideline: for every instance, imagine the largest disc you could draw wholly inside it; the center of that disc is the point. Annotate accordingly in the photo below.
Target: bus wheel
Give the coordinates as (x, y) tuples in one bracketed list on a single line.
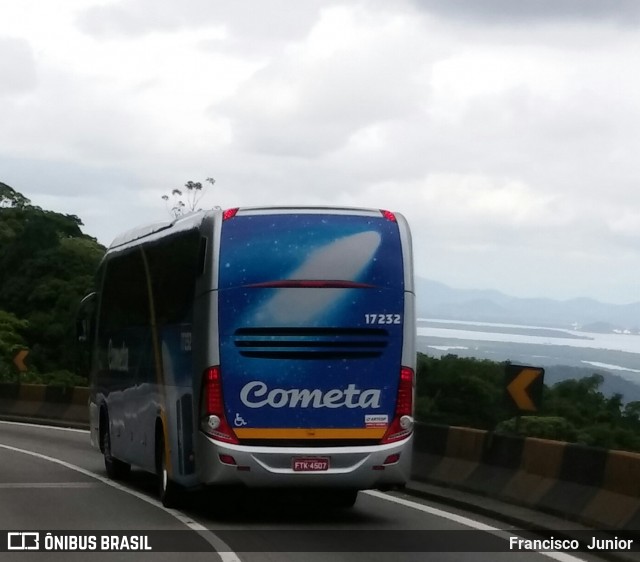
[(116, 469), (168, 491)]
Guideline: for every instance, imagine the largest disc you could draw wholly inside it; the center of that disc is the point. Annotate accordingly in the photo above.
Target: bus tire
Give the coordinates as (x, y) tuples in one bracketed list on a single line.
[(116, 469), (168, 491)]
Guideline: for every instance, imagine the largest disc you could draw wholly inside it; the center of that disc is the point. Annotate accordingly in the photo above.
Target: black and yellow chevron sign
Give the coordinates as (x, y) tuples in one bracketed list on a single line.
[(524, 387), (18, 360)]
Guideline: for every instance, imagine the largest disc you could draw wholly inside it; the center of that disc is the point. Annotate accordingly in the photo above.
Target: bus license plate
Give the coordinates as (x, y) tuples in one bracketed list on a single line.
[(308, 464)]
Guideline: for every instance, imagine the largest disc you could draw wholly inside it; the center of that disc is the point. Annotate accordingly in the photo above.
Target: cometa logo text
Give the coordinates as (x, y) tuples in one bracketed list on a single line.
[(256, 394)]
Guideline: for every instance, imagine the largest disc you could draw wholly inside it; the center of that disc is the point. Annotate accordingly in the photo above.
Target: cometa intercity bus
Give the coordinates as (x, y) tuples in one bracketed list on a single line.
[(263, 347)]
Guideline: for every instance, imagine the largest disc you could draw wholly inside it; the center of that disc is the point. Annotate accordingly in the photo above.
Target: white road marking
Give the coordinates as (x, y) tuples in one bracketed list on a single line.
[(45, 426), (559, 556), (222, 549), (12, 485)]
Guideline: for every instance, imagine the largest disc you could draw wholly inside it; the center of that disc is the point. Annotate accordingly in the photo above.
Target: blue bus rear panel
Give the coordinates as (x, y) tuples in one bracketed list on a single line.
[(311, 325)]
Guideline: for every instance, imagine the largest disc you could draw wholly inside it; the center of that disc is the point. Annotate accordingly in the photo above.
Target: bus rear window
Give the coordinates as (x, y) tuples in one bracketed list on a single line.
[(319, 249)]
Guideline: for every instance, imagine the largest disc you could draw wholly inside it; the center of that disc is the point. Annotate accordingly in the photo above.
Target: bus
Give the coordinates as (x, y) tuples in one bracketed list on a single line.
[(258, 347)]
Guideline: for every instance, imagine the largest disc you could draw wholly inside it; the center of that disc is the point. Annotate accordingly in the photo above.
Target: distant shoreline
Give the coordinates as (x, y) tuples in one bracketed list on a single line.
[(530, 345), (500, 329)]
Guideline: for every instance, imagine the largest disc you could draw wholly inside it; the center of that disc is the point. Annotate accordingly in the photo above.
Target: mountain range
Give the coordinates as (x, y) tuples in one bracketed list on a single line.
[(437, 300)]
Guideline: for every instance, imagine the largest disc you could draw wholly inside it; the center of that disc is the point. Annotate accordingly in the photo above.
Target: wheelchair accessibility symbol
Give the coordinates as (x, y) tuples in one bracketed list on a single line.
[(239, 420)]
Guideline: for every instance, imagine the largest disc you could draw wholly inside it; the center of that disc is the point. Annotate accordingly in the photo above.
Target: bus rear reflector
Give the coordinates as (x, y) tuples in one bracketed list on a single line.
[(402, 424), (213, 420), (227, 459), (392, 459)]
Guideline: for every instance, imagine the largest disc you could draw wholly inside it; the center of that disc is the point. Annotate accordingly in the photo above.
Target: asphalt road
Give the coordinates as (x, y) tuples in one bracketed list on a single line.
[(52, 480)]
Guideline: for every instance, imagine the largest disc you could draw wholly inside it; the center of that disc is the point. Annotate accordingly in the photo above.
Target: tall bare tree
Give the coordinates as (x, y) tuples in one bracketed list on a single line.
[(186, 200)]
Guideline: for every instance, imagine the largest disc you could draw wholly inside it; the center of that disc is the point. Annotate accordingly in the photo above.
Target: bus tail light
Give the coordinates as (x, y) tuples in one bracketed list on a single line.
[(389, 215), (229, 213), (214, 421), (402, 424)]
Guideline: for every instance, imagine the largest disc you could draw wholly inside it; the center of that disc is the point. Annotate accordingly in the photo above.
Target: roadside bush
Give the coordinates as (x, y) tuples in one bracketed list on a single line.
[(460, 391), (555, 428), (55, 378)]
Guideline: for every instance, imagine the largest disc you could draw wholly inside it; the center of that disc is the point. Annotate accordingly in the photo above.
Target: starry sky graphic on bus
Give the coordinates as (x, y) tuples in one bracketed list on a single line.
[(309, 339), (342, 259), (258, 248)]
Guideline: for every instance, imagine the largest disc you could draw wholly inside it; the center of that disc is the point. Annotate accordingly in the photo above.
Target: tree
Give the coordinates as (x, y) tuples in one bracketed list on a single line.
[(192, 194), (46, 266), (11, 330), (580, 401), (631, 413), (9, 197), (460, 391), (11, 341)]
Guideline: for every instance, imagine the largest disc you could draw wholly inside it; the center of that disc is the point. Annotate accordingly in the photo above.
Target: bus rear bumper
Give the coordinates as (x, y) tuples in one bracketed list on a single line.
[(369, 467)]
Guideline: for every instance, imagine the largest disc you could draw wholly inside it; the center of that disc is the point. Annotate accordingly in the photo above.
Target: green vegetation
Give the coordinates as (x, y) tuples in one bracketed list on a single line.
[(460, 391), (46, 266), (12, 339), (471, 392)]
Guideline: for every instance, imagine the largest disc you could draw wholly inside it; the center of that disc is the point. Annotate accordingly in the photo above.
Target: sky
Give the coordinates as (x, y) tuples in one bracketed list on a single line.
[(506, 132)]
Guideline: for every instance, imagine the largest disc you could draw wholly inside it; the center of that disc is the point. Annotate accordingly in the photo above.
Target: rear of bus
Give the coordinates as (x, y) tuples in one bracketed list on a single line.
[(312, 382)]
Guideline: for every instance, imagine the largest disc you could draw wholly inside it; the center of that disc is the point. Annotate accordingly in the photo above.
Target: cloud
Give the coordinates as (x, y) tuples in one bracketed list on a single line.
[(246, 22), (622, 12), (17, 66), (505, 131), (350, 72)]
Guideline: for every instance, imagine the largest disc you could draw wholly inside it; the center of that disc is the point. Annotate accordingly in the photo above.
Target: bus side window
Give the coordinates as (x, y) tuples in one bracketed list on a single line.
[(85, 329), (85, 319), (124, 328), (202, 256), (125, 302), (173, 267)]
